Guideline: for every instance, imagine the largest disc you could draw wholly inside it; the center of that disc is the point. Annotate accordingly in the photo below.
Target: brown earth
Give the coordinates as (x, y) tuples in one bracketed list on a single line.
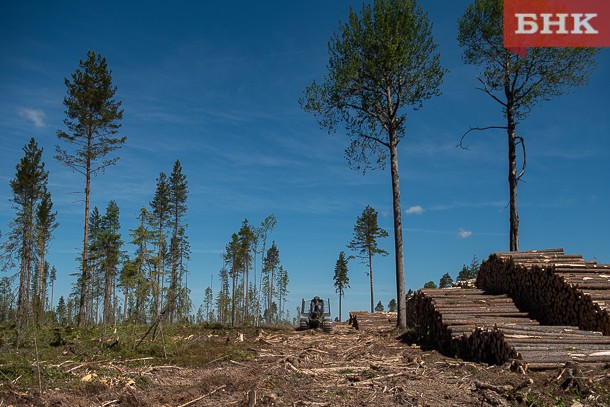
[(311, 368)]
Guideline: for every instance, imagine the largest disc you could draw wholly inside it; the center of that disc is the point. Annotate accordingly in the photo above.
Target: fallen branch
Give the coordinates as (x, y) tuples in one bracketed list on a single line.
[(202, 397)]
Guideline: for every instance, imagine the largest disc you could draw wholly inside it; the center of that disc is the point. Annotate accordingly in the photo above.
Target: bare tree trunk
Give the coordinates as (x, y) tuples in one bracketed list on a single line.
[(84, 271), (340, 295), (512, 181), (371, 281), (401, 321), (42, 284), (126, 299), (234, 283)]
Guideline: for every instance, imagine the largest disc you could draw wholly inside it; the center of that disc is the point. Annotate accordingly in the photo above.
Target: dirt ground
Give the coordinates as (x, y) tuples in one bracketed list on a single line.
[(312, 368)]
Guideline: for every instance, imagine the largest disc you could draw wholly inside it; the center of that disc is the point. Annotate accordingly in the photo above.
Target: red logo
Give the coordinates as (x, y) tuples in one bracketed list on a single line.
[(556, 23)]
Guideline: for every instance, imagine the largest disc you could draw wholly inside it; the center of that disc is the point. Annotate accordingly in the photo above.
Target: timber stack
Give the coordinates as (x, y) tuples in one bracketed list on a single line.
[(377, 321), (461, 322), (471, 324), (554, 287)]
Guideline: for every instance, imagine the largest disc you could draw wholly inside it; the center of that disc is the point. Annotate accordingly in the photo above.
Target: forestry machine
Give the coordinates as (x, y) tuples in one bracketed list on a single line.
[(317, 317)]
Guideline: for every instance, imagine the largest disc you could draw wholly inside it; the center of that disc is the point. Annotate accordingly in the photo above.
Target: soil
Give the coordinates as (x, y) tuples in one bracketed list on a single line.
[(312, 368)]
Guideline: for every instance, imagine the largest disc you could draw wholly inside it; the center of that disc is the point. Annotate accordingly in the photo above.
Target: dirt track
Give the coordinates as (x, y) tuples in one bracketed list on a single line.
[(311, 368)]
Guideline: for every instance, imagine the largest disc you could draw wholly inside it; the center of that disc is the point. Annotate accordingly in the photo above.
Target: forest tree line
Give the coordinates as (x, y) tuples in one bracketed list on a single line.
[(111, 286)]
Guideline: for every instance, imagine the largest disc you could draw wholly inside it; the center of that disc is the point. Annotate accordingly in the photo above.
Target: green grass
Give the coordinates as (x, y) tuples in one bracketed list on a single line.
[(65, 354)]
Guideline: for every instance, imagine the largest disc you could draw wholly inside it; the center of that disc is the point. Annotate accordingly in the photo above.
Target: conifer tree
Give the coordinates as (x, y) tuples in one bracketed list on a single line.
[(45, 225), (282, 290), (364, 242), (107, 245), (271, 265), (28, 187), (231, 257), (262, 233), (161, 213), (224, 296), (62, 311), (445, 281), (341, 279), (177, 196), (247, 239), (93, 120), (382, 61), (141, 238)]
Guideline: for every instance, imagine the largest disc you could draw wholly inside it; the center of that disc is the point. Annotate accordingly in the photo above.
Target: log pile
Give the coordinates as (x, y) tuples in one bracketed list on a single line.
[(554, 287), (377, 321), (460, 322), (472, 324)]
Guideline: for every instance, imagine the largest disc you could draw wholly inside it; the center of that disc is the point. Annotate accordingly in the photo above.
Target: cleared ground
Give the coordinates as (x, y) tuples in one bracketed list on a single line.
[(284, 367)]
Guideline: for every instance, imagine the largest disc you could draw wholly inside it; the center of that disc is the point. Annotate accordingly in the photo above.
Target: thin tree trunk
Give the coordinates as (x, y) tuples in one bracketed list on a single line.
[(42, 284), (125, 302), (340, 295), (84, 272), (234, 283), (371, 281), (401, 321), (512, 181)]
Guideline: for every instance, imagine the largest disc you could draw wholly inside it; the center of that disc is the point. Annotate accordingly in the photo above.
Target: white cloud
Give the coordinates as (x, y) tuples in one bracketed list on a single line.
[(415, 210), (35, 116), (464, 234)]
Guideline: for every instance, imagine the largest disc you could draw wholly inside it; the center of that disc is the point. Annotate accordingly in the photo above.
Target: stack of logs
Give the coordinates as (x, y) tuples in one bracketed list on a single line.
[(554, 287), (461, 322), (378, 321), (471, 324)]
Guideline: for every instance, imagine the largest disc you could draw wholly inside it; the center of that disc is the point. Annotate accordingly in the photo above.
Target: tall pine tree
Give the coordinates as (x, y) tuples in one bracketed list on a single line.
[(341, 278), (93, 119), (177, 196), (28, 187)]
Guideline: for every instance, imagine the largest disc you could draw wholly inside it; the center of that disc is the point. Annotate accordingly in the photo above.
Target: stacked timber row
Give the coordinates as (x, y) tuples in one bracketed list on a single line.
[(471, 324), (546, 347), (554, 287), (378, 321), (461, 322)]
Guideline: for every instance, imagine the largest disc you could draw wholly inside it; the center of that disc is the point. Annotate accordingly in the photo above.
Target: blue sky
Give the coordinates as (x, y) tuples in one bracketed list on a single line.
[(216, 85)]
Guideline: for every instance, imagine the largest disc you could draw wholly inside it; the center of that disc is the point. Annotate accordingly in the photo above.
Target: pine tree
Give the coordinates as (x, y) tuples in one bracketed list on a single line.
[(208, 297), (281, 283), (93, 120), (45, 225), (364, 242), (160, 215), (28, 187), (247, 239), (382, 61), (445, 281), (231, 258), (392, 305), (379, 307), (141, 238), (108, 246), (262, 233), (62, 311), (517, 84), (341, 279), (430, 284), (271, 265), (177, 196), (224, 296)]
